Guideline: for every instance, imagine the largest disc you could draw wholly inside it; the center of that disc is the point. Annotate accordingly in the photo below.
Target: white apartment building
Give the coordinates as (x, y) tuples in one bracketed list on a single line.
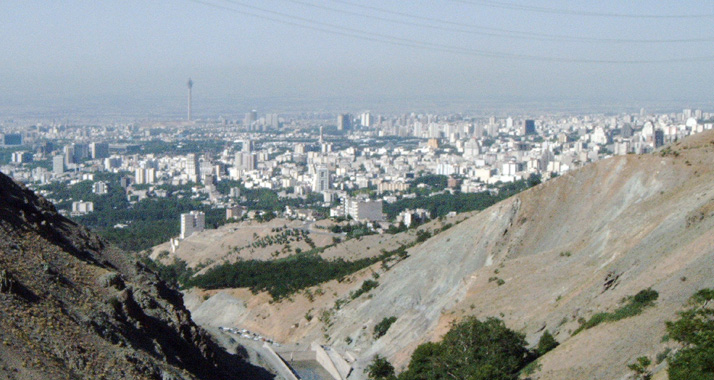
[(364, 209), (321, 180), (80, 208), (194, 221)]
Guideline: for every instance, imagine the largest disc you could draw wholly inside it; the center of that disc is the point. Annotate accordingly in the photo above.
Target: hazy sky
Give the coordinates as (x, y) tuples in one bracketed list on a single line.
[(347, 53)]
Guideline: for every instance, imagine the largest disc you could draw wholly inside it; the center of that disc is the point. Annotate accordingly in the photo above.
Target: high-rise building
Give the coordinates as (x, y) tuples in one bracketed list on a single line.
[(145, 176), (58, 164), (99, 150), (471, 149), (112, 163), (344, 122), (250, 118), (74, 153), (478, 131), (81, 151), (150, 175), (658, 138), (192, 167), (12, 139), (321, 179), (140, 176), (492, 130), (47, 147), (626, 131), (99, 188), (194, 221), (528, 128), (509, 122), (247, 146), (20, 157), (69, 154), (272, 120), (250, 161), (366, 119), (246, 161), (205, 168)]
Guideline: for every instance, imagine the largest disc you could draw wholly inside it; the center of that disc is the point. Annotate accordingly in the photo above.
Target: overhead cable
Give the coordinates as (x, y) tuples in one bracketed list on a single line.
[(307, 23), (572, 12)]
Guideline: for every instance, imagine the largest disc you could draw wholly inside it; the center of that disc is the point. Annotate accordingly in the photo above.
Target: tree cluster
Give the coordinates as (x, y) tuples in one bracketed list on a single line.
[(694, 330), (472, 349)]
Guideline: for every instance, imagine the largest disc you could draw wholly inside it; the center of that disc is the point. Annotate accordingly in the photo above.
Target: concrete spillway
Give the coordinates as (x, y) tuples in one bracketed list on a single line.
[(315, 364), (310, 370)]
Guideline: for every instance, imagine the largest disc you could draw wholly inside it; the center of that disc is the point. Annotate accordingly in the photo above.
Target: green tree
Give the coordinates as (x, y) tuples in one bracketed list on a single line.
[(380, 369), (424, 363), (534, 180), (474, 350), (695, 331)]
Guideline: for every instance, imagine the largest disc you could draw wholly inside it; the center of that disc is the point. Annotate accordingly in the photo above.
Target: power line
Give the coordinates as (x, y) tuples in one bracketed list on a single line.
[(498, 32), (531, 8), (377, 37), (341, 31)]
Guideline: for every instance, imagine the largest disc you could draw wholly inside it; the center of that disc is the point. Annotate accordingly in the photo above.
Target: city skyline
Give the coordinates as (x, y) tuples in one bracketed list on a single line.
[(131, 58)]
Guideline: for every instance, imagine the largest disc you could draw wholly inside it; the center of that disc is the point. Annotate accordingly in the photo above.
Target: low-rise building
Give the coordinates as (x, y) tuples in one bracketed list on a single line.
[(81, 208)]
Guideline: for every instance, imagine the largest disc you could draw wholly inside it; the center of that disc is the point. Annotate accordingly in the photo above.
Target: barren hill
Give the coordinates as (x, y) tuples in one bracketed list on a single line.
[(548, 258), (278, 238), (73, 308)]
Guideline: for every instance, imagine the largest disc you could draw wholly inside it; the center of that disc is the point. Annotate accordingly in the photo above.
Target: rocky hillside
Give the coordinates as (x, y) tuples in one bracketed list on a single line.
[(73, 308), (557, 254), (548, 258)]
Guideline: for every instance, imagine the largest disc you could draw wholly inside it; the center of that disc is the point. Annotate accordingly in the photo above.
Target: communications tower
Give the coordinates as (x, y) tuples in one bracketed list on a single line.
[(190, 86)]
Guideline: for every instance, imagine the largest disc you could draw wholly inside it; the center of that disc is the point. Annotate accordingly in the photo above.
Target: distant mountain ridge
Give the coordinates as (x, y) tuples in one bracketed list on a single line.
[(72, 307)]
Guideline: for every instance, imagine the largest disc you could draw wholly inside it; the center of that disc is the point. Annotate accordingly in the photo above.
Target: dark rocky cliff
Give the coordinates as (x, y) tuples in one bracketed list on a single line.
[(71, 306)]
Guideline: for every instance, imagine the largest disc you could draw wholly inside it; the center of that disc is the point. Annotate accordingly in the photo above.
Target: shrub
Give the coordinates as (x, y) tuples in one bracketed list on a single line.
[(634, 305), (365, 288), (640, 368), (663, 355), (382, 327), (546, 343), (423, 236)]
